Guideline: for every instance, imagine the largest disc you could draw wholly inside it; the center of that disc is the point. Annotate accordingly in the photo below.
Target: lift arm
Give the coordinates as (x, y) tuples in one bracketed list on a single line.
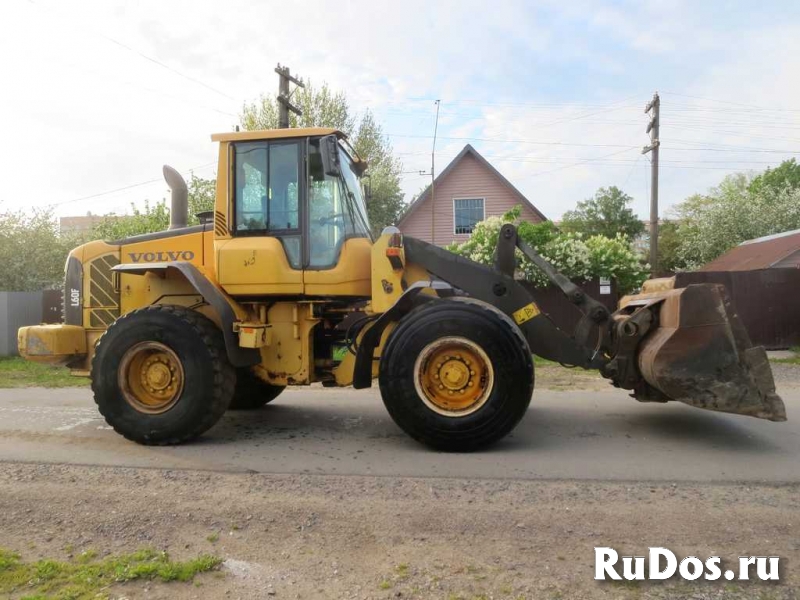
[(497, 287)]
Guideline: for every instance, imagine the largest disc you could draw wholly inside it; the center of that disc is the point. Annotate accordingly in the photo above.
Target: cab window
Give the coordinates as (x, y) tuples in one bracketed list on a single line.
[(267, 193), (334, 210)]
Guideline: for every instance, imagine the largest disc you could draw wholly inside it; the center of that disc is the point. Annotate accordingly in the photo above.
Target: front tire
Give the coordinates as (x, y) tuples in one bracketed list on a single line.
[(456, 375), (160, 375)]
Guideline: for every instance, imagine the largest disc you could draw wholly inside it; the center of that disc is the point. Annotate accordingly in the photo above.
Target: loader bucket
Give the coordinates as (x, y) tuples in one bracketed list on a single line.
[(700, 354)]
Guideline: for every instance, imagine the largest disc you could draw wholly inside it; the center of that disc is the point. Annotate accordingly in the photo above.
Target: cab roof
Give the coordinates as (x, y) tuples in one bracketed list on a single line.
[(275, 134)]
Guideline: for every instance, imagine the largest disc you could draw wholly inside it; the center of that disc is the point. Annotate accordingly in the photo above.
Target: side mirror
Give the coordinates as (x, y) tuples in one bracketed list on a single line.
[(360, 167), (329, 151)]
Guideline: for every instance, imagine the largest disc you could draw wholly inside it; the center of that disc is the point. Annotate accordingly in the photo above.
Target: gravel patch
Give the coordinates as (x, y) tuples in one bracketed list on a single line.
[(378, 538)]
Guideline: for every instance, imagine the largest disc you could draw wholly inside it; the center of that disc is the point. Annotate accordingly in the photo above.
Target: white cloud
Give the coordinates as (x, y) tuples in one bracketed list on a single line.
[(82, 114)]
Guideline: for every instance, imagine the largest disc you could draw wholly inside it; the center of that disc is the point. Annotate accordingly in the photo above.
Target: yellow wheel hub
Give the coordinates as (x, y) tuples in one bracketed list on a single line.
[(151, 377), (453, 376)]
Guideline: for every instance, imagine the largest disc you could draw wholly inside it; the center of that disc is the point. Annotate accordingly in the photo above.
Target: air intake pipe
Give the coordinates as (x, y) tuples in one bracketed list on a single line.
[(179, 208)]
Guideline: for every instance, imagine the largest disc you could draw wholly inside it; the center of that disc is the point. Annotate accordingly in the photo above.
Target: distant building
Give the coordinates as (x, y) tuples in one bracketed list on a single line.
[(467, 191), (82, 224), (778, 251)]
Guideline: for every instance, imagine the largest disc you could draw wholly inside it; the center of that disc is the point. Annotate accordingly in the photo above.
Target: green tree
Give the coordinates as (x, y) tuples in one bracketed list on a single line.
[(787, 174), (202, 194), (385, 198), (150, 218), (155, 217), (32, 251), (323, 107), (669, 246), (735, 211), (606, 214)]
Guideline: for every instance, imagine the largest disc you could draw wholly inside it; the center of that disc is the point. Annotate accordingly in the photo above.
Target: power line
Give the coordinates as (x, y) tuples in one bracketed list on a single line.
[(716, 148), (569, 159), (532, 104), (731, 103), (128, 187), (636, 162), (143, 55), (157, 91), (584, 161), (506, 141), (740, 109)]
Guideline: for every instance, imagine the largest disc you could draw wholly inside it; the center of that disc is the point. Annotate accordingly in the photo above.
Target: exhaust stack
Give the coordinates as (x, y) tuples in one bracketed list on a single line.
[(179, 208)]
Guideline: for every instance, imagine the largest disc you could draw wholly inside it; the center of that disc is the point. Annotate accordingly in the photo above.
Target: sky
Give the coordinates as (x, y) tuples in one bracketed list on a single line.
[(95, 96)]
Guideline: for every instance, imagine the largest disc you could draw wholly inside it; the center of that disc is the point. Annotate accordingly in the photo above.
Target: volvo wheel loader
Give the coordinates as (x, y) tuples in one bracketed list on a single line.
[(284, 285)]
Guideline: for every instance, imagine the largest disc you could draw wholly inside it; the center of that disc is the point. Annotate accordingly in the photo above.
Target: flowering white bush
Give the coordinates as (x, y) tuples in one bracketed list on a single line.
[(568, 253), (578, 259), (613, 258)]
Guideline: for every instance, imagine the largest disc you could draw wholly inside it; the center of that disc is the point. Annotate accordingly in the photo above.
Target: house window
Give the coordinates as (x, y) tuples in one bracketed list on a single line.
[(467, 213)]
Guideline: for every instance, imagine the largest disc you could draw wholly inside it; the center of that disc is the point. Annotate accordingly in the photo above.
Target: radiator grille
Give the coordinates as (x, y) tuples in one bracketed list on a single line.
[(101, 282), (103, 296), (102, 318)]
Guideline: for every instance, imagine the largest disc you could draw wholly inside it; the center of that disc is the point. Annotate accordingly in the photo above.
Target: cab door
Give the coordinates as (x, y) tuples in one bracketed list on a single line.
[(265, 252), (338, 245)]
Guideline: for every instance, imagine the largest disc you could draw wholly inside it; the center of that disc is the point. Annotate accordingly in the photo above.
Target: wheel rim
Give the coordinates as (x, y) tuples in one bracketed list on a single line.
[(453, 376), (151, 377)]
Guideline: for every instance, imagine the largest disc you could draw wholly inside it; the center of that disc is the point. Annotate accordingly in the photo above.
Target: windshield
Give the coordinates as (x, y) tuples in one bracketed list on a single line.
[(354, 190)]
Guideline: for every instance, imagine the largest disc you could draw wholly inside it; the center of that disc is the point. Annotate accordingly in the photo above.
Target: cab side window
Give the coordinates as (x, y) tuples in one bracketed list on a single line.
[(251, 187), (267, 193), (283, 206)]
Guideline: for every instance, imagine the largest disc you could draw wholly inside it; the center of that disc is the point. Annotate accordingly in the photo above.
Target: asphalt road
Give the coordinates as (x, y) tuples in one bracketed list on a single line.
[(565, 435)]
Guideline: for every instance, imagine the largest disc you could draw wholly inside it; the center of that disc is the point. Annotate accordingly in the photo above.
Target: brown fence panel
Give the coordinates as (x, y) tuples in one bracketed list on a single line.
[(765, 300)]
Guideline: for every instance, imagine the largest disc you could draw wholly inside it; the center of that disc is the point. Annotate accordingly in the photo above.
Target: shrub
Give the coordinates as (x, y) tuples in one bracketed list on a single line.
[(578, 259)]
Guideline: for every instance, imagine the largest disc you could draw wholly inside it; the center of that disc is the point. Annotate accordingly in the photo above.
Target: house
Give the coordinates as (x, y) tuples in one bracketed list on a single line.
[(467, 191), (778, 251), (79, 224)]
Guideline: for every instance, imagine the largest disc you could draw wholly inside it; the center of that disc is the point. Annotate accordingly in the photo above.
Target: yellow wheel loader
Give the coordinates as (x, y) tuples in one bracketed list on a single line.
[(283, 285)]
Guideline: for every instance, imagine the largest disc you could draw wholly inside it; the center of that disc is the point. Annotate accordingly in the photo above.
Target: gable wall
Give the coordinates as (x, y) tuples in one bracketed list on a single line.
[(468, 179)]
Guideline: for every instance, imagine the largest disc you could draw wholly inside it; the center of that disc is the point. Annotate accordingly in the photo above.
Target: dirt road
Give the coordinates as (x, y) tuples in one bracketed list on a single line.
[(321, 496), (584, 434)]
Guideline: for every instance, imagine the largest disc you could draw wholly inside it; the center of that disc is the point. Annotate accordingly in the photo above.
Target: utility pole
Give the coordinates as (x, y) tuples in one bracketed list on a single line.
[(284, 96), (652, 128), (433, 177)]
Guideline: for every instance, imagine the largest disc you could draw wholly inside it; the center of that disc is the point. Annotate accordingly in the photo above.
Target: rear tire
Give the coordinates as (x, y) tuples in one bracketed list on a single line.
[(252, 392), (160, 375), (436, 358)]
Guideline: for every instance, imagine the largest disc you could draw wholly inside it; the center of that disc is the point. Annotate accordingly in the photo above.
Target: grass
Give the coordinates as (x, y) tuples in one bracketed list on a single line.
[(543, 362), (87, 577), (792, 360), (16, 372)]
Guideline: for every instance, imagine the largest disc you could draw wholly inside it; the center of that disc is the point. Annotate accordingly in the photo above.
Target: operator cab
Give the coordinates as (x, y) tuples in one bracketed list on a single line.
[(294, 205)]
